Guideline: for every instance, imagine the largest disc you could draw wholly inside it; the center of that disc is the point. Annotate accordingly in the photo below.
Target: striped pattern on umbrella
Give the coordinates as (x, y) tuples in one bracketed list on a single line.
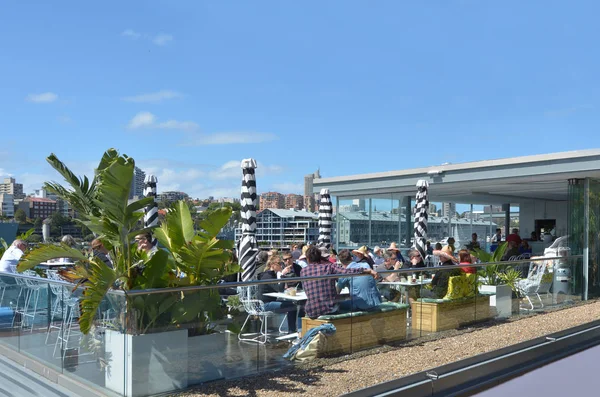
[(247, 247), (325, 219), (151, 210), (421, 208)]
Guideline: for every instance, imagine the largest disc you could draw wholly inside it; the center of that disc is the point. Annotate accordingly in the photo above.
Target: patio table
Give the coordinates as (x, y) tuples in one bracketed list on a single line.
[(404, 285)]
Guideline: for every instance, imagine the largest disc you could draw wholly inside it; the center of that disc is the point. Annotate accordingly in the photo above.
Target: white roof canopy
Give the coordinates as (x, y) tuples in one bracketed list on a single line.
[(513, 180)]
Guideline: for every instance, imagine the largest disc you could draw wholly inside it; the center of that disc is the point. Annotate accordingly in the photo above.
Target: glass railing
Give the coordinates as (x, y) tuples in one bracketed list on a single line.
[(155, 341)]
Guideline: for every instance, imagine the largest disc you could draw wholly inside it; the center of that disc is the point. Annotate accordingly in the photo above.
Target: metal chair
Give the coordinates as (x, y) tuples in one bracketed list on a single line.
[(30, 307), (532, 285), (255, 307)]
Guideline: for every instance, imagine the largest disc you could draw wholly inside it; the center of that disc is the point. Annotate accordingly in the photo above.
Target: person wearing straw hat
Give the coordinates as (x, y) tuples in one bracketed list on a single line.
[(394, 248), (362, 255)]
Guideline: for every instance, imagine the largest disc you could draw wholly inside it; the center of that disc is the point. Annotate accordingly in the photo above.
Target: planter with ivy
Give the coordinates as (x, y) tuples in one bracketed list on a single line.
[(146, 344)]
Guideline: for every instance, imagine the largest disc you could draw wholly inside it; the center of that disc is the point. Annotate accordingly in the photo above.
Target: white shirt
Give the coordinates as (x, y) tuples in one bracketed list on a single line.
[(11, 257)]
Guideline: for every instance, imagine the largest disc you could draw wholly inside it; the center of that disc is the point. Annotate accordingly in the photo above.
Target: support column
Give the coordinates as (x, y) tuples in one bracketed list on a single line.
[(400, 220), (337, 224), (506, 208), (471, 222), (370, 224), (408, 221), (586, 237)]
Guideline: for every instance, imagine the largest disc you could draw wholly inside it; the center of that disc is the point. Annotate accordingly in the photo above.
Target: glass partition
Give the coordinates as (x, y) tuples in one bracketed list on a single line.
[(148, 342)]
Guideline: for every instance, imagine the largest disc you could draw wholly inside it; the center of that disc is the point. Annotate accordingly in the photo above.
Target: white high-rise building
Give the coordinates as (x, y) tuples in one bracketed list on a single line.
[(137, 184), (7, 205), (448, 209)]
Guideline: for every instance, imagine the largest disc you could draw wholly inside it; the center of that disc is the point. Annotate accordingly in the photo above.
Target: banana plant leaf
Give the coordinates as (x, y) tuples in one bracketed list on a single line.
[(47, 252)]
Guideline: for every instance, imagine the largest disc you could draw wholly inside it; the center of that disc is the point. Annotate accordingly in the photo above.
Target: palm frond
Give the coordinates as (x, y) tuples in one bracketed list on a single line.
[(45, 253), (101, 279)]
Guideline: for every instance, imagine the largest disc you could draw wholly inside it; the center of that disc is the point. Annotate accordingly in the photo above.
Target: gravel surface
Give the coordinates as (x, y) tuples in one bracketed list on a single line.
[(332, 377)]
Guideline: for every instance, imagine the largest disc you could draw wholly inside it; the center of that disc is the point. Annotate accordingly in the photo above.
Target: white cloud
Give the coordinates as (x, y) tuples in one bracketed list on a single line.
[(153, 97), (132, 34), (228, 138), (148, 120), (64, 119), (46, 97), (141, 120), (202, 181), (162, 39), (289, 187)]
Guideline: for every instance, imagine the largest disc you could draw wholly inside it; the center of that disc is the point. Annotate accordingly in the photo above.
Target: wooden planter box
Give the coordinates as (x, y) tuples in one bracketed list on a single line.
[(439, 316), (362, 332)]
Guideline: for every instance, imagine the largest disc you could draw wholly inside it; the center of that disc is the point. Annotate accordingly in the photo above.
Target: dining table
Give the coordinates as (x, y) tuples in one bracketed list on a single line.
[(405, 285)]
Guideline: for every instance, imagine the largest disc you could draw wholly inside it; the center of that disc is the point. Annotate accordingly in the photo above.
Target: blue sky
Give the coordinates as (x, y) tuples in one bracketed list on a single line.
[(189, 88)]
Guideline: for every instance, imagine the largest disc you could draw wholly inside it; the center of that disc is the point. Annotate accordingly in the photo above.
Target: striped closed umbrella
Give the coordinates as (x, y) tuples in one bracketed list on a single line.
[(247, 248), (325, 222), (151, 210), (421, 208)]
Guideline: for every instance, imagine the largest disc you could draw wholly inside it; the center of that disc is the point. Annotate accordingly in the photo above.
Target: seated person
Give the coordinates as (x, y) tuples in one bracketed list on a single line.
[(473, 244), (525, 248), (439, 283), (274, 271), (100, 252), (261, 261), (390, 262), (511, 250), (322, 296), (10, 258), (464, 258), (364, 294), (302, 262), (144, 242), (416, 260)]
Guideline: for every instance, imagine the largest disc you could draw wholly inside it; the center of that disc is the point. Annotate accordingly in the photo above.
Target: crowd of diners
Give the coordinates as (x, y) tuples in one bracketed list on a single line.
[(324, 296)]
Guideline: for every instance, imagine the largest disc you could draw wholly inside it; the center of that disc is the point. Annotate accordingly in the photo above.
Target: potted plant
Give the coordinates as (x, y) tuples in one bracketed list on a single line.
[(150, 332), (492, 281), (511, 278)]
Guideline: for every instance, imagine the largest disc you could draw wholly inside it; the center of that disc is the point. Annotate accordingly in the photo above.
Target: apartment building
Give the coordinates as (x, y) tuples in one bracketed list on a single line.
[(271, 200)]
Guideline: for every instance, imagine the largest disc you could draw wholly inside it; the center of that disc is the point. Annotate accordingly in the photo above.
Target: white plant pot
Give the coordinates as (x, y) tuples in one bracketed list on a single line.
[(142, 365), (501, 300)]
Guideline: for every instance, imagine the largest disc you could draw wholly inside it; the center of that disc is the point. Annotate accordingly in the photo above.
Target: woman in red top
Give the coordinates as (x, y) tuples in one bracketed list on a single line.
[(464, 257)]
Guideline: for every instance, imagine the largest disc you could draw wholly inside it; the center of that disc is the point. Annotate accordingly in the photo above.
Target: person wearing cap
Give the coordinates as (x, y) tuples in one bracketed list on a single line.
[(322, 296), (394, 248), (363, 290), (362, 255)]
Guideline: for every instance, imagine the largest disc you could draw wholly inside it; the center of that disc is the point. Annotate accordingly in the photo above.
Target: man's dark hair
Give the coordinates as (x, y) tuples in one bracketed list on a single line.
[(345, 257), (313, 254), (262, 257), (498, 230)]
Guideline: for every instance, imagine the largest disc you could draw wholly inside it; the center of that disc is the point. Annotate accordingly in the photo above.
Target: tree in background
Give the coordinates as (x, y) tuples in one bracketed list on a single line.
[(38, 223), (20, 216)]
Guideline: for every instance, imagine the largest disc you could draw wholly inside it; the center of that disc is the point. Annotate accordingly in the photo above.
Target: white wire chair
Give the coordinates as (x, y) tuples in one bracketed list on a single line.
[(32, 299), (256, 308), (532, 285)]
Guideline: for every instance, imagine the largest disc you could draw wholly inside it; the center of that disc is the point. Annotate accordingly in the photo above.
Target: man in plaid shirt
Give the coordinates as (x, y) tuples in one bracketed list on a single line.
[(321, 295)]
